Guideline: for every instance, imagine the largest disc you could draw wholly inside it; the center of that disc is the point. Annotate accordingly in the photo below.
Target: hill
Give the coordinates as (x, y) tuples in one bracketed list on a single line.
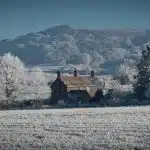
[(66, 45)]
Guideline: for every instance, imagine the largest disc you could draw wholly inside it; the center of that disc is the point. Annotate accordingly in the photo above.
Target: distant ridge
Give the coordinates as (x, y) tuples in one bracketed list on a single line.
[(64, 44)]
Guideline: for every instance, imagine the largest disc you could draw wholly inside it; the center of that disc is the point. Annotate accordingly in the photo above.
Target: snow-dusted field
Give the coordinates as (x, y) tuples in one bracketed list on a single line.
[(74, 129)]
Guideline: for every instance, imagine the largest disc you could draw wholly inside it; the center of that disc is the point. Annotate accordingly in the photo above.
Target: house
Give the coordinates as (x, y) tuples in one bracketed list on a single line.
[(74, 88)]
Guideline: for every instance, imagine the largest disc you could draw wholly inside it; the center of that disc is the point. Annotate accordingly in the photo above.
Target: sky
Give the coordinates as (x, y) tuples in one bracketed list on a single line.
[(18, 17)]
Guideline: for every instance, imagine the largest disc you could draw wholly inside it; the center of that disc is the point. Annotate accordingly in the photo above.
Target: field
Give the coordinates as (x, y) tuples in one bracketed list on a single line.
[(76, 129)]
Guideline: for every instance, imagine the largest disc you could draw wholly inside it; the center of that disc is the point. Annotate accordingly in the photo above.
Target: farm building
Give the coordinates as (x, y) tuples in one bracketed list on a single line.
[(73, 88)]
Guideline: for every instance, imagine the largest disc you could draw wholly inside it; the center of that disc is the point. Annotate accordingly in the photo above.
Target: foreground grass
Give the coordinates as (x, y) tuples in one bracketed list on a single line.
[(93, 128)]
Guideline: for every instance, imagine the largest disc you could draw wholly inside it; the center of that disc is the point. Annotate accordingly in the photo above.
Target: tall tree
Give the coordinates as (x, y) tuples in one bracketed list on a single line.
[(36, 84), (127, 73), (11, 77), (143, 77)]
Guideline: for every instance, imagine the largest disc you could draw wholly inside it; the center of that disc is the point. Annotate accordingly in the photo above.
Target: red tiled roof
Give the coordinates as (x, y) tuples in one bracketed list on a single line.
[(80, 82), (76, 81)]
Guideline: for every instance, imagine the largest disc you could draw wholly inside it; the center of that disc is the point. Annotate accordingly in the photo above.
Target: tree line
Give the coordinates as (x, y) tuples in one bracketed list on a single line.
[(15, 79)]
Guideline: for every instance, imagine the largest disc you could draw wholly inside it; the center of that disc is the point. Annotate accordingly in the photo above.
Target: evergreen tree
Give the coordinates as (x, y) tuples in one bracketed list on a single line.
[(143, 77)]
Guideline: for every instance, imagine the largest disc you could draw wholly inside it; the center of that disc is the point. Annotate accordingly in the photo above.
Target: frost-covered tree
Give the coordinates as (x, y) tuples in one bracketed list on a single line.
[(129, 41), (62, 49), (11, 77), (127, 73), (108, 83), (36, 84), (117, 54), (143, 77), (85, 59)]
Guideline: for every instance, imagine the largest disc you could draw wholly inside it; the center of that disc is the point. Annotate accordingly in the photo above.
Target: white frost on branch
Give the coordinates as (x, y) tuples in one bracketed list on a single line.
[(128, 71), (11, 78), (86, 59), (36, 84)]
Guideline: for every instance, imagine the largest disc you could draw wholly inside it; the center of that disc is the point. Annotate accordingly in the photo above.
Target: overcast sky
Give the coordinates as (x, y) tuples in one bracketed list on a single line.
[(22, 16)]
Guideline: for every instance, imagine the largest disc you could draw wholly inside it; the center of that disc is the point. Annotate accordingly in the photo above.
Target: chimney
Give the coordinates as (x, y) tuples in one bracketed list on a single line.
[(58, 74), (92, 74), (75, 73)]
